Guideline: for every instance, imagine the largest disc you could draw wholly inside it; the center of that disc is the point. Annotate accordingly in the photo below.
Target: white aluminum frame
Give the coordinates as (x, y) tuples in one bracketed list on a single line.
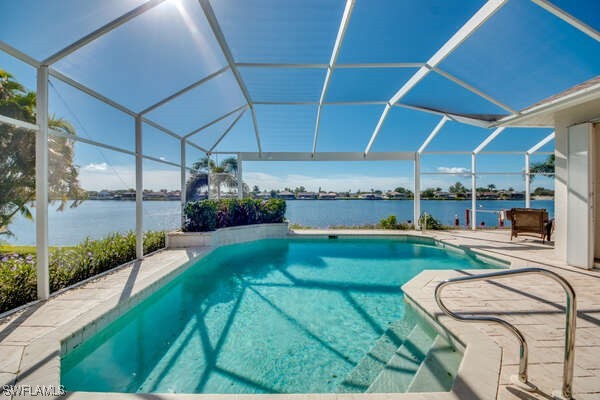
[(527, 173), (473, 191), (41, 185), (488, 140), (568, 18), (101, 31), (184, 90), (139, 190), (478, 19), (334, 55), (44, 71), (220, 37), (214, 121), (473, 89), (433, 134), (229, 128), (327, 156), (240, 176)]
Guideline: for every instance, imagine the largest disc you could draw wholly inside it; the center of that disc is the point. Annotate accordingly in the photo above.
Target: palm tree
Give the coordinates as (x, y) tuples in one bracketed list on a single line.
[(223, 173), (17, 164), (543, 167)]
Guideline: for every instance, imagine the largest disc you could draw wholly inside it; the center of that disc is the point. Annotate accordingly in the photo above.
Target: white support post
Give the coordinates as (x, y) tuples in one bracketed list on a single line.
[(240, 177), (41, 184), (208, 177), (183, 183), (139, 191), (473, 191), (417, 191), (527, 181)]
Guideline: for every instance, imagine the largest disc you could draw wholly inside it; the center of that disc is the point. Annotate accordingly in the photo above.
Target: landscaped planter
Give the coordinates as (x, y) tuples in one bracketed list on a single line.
[(234, 234)]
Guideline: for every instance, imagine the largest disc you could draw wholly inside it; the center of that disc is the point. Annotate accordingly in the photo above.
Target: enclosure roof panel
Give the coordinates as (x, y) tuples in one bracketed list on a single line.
[(329, 75)]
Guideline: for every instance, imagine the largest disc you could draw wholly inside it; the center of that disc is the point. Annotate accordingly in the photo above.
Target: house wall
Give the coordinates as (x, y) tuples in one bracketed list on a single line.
[(562, 121)]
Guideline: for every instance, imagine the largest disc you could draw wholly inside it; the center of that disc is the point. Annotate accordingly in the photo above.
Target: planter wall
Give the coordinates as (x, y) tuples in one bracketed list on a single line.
[(231, 235)]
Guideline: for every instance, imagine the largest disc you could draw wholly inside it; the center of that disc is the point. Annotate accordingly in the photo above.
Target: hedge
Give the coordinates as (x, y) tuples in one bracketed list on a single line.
[(208, 215), (68, 265)]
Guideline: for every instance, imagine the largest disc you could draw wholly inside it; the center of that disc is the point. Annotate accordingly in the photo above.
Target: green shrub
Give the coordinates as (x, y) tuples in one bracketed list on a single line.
[(154, 240), (200, 216), (428, 222), (69, 265), (392, 223), (17, 281), (389, 223), (252, 210), (223, 216), (273, 210), (208, 215)]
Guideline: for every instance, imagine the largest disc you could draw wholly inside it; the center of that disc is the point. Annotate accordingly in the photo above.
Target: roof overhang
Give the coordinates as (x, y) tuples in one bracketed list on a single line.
[(583, 100)]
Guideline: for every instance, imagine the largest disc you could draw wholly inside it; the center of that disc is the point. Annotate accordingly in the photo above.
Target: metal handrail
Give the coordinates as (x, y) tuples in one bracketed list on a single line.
[(571, 317)]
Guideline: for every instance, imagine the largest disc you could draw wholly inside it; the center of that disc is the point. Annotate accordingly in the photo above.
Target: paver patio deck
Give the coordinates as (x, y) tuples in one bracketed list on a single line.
[(534, 304)]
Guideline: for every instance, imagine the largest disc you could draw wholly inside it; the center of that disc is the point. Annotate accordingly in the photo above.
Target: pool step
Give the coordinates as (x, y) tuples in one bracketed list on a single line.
[(401, 368), (436, 373), (367, 369)]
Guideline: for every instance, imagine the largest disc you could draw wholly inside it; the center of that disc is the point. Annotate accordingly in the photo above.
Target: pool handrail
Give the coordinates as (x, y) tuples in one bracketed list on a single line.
[(571, 318)]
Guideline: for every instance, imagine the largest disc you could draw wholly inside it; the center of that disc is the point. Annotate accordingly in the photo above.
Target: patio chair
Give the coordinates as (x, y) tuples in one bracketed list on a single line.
[(529, 222)]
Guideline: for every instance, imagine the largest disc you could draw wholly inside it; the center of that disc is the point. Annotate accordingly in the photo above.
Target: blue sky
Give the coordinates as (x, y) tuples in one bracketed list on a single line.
[(520, 56)]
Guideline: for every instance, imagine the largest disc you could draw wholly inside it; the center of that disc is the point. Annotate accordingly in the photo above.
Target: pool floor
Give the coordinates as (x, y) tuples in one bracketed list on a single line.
[(278, 316)]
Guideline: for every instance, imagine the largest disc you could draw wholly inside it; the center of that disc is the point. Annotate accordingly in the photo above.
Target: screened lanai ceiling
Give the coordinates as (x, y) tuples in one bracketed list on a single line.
[(313, 75)]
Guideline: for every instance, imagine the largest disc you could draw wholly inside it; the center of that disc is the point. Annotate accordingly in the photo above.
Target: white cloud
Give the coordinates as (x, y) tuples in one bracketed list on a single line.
[(453, 170), (162, 158), (96, 167)]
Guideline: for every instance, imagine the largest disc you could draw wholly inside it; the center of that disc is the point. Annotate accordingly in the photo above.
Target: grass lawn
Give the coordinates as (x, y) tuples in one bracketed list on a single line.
[(21, 250)]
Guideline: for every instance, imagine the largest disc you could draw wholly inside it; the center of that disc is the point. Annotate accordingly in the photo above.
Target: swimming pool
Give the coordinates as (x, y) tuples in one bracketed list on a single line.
[(299, 315)]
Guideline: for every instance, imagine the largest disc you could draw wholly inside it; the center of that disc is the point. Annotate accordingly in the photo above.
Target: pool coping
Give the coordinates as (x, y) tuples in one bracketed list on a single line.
[(478, 374)]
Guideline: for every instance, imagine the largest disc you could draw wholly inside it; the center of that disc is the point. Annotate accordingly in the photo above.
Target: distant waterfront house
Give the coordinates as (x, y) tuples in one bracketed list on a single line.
[(328, 196), (306, 196), (440, 195), (517, 195), (370, 196), (396, 195), (155, 196), (174, 195), (286, 195), (125, 196), (105, 195), (263, 195), (488, 196)]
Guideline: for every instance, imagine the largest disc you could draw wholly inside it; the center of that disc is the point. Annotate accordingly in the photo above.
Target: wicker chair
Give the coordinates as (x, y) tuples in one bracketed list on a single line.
[(529, 222)]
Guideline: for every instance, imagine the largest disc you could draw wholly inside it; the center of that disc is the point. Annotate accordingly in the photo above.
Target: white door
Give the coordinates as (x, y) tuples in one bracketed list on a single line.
[(596, 190), (580, 241)]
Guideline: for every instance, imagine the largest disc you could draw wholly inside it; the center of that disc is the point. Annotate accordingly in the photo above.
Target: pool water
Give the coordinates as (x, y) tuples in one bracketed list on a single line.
[(278, 316)]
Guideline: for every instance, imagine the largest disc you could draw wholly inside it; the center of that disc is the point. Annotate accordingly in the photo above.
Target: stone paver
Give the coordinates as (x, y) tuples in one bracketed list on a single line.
[(532, 303), (30, 339)]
